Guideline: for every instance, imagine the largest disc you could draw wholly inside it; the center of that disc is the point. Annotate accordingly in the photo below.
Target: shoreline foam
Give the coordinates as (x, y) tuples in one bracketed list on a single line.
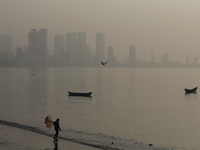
[(16, 138)]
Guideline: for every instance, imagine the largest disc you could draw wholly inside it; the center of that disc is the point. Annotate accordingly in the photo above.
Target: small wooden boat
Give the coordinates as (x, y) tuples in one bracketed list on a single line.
[(187, 91), (80, 94)]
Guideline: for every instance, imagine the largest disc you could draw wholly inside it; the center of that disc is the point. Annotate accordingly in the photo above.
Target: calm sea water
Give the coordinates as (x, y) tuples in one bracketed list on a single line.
[(131, 107)]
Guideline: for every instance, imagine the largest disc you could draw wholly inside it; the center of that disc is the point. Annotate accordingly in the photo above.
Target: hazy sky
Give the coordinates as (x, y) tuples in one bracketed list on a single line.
[(165, 26)]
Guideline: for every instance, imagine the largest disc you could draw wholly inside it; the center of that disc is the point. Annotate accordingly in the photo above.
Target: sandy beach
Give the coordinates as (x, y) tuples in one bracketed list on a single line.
[(18, 139)]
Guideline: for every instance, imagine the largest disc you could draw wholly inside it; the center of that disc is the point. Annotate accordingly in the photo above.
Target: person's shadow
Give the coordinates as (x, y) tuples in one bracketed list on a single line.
[(55, 144)]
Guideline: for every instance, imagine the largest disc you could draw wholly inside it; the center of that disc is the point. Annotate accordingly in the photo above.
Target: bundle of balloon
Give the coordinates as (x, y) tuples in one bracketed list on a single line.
[(48, 121)]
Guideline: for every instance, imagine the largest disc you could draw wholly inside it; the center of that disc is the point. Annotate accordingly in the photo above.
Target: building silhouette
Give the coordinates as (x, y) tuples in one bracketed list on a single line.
[(100, 47), (74, 51), (6, 43), (165, 58), (19, 55), (5, 47), (89, 56), (111, 58), (37, 46)]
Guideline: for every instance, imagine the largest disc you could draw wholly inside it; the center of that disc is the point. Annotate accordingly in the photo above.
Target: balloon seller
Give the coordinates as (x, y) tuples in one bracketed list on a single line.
[(57, 128)]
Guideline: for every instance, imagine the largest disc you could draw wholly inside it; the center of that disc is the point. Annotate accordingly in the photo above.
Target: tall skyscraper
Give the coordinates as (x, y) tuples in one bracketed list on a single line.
[(111, 57), (6, 43), (58, 47), (100, 46), (19, 54), (89, 55), (132, 54), (37, 46)]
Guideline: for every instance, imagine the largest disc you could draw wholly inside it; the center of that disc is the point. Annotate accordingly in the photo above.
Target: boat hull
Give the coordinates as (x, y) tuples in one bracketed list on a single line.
[(187, 91), (80, 94)]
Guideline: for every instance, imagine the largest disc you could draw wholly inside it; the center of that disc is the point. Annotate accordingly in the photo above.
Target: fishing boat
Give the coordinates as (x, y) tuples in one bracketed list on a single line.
[(187, 91), (80, 94)]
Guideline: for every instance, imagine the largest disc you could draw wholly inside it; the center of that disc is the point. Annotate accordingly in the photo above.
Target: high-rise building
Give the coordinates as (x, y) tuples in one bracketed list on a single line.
[(89, 55), (111, 58), (132, 54), (19, 54), (58, 47), (37, 46), (100, 46), (6, 43), (165, 58)]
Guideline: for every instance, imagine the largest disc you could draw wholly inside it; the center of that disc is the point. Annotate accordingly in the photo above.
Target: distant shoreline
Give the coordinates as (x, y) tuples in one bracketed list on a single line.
[(105, 66)]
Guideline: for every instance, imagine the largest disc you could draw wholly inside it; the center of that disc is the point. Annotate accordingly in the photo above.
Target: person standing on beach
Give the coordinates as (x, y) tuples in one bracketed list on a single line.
[(57, 128)]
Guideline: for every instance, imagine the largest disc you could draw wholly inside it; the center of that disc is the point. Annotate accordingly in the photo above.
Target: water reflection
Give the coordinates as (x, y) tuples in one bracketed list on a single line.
[(77, 79), (79, 98), (37, 89), (55, 145), (99, 80), (192, 97)]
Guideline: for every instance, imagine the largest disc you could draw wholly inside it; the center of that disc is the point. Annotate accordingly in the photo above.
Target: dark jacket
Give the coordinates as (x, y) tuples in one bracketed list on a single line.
[(56, 125)]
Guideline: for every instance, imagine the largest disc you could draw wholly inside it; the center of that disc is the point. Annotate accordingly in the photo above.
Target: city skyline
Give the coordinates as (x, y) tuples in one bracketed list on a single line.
[(72, 50), (162, 26), (156, 58)]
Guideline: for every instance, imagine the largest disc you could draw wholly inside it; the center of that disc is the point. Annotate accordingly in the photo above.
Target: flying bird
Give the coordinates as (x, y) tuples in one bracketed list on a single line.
[(103, 63)]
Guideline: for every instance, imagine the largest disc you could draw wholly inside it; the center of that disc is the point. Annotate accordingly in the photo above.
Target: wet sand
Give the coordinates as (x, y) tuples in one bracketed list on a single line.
[(18, 139)]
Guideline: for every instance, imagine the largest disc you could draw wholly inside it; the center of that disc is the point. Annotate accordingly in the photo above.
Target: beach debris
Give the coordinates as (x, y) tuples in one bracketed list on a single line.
[(150, 144)]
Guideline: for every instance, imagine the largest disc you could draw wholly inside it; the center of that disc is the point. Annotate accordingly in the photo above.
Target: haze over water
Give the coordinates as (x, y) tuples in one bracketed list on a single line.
[(165, 26), (131, 107)]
